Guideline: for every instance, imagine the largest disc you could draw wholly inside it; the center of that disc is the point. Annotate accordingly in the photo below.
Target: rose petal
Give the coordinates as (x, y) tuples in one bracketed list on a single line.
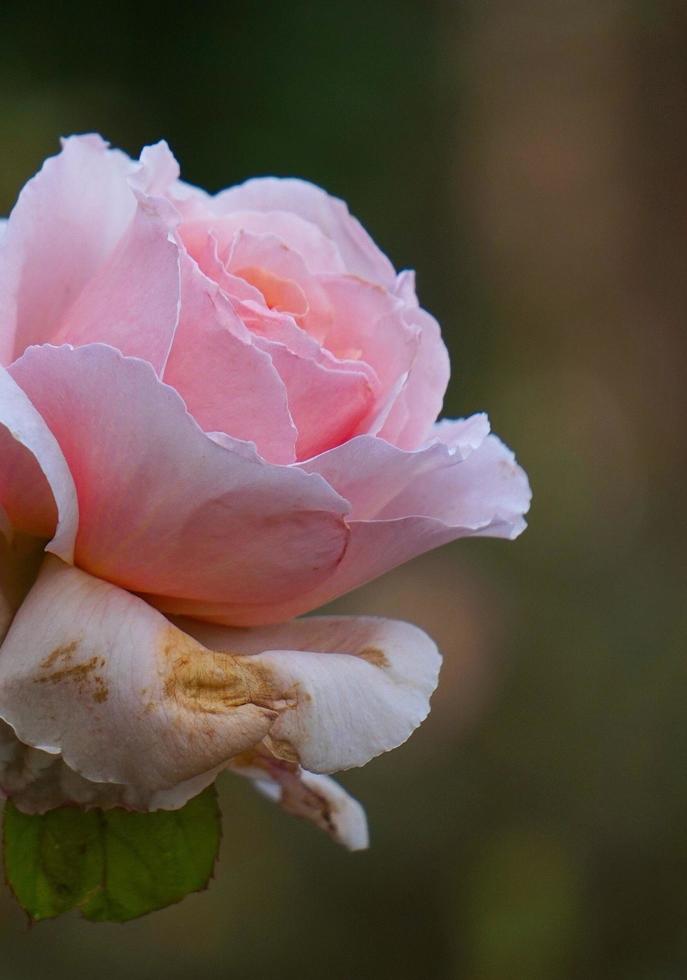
[(163, 508), (354, 687), (319, 253), (307, 795), (158, 170), (280, 275), (228, 383), (419, 401), (326, 404), (67, 220), (92, 673), (402, 504), (37, 491), (360, 254), (38, 781), (132, 302), (369, 324)]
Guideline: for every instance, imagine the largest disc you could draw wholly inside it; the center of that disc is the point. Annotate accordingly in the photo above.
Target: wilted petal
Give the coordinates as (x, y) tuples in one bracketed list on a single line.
[(354, 686), (307, 795), (92, 673), (38, 781)]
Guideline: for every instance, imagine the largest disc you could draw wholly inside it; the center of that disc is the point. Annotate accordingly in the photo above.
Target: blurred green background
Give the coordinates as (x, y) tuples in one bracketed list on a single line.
[(528, 158)]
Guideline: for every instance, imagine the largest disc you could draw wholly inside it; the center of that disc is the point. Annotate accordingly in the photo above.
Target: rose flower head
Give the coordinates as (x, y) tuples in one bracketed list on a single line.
[(217, 413)]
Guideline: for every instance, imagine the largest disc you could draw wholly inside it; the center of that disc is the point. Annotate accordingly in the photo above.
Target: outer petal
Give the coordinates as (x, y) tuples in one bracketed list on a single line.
[(132, 302), (66, 222), (158, 171), (360, 254), (37, 781), (93, 673), (307, 795), (354, 686), (465, 484), (163, 508), (37, 492)]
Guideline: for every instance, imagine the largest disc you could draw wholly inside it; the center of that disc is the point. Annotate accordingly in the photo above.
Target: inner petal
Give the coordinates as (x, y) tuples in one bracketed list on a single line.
[(280, 294)]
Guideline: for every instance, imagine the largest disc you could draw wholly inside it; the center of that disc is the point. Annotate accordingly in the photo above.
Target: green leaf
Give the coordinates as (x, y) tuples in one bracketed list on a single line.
[(113, 865)]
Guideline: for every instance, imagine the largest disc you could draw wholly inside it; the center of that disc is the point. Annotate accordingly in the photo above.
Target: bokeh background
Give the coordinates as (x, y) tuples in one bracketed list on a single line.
[(528, 158)]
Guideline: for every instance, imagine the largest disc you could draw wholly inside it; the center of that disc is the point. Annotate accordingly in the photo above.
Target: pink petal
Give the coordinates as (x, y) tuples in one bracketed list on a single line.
[(326, 404), (272, 325), (132, 302), (319, 253), (37, 492), (229, 385), (158, 171), (276, 271), (283, 383), (369, 325), (419, 402), (465, 484), (165, 509), (66, 222), (268, 194)]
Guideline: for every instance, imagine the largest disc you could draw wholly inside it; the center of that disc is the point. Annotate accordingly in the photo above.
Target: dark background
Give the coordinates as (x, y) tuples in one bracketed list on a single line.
[(528, 158)]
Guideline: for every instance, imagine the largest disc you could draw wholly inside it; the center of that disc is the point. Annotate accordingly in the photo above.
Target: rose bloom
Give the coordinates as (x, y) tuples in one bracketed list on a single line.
[(217, 413)]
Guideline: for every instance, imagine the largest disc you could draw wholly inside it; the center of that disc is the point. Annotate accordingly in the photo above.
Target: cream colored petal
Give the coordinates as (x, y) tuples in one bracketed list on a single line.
[(354, 687), (93, 673), (37, 781), (307, 795)]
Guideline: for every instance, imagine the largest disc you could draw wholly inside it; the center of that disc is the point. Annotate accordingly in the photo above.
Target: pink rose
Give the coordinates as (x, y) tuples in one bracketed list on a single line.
[(221, 408)]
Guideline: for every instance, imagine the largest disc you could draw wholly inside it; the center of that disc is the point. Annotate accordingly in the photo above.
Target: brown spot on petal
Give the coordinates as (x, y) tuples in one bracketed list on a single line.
[(76, 672), (282, 749), (204, 680), (374, 656), (304, 801), (101, 692), (82, 675), (63, 652)]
